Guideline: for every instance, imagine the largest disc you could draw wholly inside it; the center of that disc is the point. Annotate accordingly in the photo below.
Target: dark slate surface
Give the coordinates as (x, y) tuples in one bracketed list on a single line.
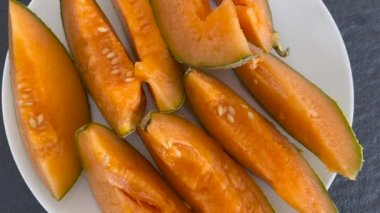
[(359, 23)]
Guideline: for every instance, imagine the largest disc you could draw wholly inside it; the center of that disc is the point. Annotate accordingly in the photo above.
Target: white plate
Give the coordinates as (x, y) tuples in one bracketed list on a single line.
[(317, 51)]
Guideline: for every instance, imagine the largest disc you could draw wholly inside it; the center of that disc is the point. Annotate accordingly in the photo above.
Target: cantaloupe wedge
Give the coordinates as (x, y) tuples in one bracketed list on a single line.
[(49, 99), (155, 65), (200, 37), (207, 178), (304, 111), (255, 19), (104, 65), (121, 179), (255, 143)]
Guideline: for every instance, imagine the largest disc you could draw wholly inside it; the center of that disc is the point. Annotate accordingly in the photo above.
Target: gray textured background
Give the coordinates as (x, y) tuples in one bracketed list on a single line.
[(359, 23)]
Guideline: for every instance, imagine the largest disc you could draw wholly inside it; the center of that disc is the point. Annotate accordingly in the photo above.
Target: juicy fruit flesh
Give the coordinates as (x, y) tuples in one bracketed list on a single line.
[(104, 64), (45, 82), (156, 65), (121, 179), (255, 143), (199, 169), (195, 36), (256, 22), (305, 112)]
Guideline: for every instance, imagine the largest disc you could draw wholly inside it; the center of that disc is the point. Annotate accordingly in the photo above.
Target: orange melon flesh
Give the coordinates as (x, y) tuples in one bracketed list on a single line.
[(104, 65), (207, 178), (256, 22), (304, 111), (121, 179), (49, 99), (255, 143), (156, 66), (200, 37)]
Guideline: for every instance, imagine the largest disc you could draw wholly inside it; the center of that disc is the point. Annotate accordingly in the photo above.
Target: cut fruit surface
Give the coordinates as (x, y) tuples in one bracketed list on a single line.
[(49, 99), (207, 178), (121, 179), (200, 37), (255, 143), (156, 66), (256, 22), (104, 65), (304, 111)]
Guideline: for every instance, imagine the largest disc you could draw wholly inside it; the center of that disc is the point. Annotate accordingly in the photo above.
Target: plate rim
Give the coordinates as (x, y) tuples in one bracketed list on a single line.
[(8, 116)]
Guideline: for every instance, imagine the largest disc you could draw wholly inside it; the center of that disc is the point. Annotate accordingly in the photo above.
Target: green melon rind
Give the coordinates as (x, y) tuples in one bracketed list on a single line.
[(355, 141), (144, 123), (275, 44), (235, 64), (178, 106)]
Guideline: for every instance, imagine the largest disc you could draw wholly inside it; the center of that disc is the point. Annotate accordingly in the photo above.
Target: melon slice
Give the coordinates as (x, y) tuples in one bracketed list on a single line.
[(49, 99), (200, 37), (304, 111), (256, 21), (104, 65), (255, 143), (207, 178), (156, 66), (121, 179)]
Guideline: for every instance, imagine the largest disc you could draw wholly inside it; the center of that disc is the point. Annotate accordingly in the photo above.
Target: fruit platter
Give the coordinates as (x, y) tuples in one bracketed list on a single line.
[(179, 106)]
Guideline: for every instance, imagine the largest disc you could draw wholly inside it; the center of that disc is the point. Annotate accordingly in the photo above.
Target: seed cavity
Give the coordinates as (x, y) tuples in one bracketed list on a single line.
[(105, 51), (230, 118), (255, 81), (102, 29), (231, 110), (110, 55), (32, 123), (250, 115)]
